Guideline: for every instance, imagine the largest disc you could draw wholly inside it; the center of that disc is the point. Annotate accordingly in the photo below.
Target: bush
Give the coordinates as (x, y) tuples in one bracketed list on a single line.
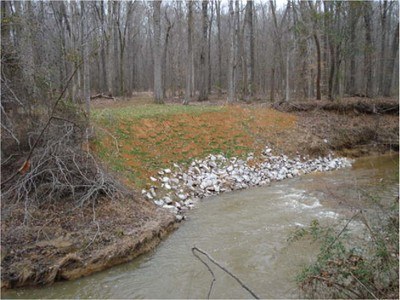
[(345, 269)]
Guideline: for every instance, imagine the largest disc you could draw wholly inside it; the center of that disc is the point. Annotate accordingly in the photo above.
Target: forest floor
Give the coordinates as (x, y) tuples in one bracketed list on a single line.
[(135, 139)]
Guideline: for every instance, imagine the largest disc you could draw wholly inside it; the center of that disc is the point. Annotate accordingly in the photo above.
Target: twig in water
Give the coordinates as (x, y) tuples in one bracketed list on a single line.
[(209, 269), (224, 269)]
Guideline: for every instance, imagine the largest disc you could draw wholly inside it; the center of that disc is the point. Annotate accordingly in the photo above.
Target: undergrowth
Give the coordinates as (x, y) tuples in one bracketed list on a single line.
[(349, 267)]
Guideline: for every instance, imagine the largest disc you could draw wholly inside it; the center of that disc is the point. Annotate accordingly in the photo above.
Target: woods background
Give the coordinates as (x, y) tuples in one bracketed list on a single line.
[(303, 49)]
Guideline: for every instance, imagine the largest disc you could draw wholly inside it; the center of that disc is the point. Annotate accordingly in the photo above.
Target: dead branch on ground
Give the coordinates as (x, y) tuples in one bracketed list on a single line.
[(61, 169)]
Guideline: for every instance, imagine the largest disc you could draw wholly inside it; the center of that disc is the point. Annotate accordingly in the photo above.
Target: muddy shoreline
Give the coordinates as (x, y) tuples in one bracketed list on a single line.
[(62, 243)]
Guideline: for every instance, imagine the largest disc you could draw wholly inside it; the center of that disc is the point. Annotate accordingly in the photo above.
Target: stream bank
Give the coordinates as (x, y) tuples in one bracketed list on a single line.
[(62, 243), (246, 231)]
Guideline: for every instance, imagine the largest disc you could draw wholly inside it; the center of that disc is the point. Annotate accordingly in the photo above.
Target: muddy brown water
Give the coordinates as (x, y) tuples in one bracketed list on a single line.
[(244, 231)]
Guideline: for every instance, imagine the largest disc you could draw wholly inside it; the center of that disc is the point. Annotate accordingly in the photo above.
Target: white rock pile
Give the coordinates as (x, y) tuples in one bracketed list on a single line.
[(178, 190)]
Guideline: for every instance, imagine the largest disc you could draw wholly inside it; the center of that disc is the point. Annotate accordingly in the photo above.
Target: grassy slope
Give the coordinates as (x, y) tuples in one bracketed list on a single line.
[(137, 140)]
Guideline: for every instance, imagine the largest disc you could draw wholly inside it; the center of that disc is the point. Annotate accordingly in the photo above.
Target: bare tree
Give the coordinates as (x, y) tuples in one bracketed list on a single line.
[(309, 48), (203, 86), (86, 61), (218, 10), (369, 50), (318, 48), (211, 19), (158, 88), (189, 66), (354, 16), (391, 63), (249, 48), (165, 52), (232, 59)]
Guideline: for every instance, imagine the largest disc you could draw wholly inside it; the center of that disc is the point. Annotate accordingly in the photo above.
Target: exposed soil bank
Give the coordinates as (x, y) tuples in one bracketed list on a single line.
[(351, 128), (348, 105), (63, 243)]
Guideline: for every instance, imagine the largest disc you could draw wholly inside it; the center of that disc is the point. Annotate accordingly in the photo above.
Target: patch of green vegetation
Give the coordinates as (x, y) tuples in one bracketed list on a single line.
[(110, 115), (348, 269)]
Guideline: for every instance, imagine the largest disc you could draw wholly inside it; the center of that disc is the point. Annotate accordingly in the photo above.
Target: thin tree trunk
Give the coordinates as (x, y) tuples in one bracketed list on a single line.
[(318, 80), (249, 37), (318, 48), (158, 88), (189, 66), (218, 8), (104, 86), (383, 47), (116, 88), (368, 57), (231, 66), (238, 43), (287, 92), (272, 91), (86, 62), (209, 48), (352, 88), (391, 63), (165, 52), (278, 43), (203, 88)]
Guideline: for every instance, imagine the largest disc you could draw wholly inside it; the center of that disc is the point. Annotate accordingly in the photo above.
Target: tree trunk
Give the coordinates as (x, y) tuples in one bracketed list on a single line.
[(352, 88), (391, 63), (165, 52), (369, 49), (318, 80), (383, 46), (109, 49), (231, 66), (189, 58), (103, 50), (238, 43), (218, 9), (86, 62), (209, 48), (272, 90), (203, 88), (329, 11), (249, 48), (278, 51), (287, 87), (158, 88), (318, 49), (115, 56)]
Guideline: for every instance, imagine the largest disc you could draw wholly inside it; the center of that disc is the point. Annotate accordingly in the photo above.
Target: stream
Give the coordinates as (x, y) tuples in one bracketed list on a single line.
[(245, 231)]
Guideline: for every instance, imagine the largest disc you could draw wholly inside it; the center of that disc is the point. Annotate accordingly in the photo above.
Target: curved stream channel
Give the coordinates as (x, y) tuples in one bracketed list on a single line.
[(244, 231)]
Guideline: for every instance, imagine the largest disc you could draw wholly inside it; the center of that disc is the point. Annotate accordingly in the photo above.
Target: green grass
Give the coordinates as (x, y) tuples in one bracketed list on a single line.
[(149, 111)]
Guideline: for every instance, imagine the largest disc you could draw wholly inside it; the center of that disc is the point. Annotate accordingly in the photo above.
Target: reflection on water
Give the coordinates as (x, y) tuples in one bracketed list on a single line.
[(245, 231)]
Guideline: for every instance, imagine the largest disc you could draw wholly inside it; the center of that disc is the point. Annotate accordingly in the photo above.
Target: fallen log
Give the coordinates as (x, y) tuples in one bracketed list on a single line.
[(101, 96), (358, 107)]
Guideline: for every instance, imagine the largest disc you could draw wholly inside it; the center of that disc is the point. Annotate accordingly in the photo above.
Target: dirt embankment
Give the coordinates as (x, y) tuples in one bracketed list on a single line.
[(353, 127), (64, 243)]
